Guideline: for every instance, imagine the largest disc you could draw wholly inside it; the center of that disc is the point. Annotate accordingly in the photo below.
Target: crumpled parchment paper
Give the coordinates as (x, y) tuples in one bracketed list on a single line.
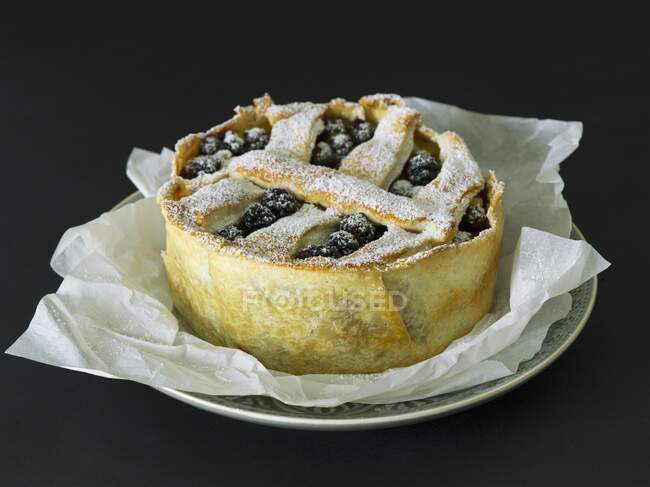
[(112, 315)]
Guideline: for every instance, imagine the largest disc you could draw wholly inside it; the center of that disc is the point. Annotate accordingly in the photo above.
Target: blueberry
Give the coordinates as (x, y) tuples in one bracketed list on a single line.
[(280, 202), (344, 241), (474, 220), (323, 155), (234, 143), (210, 145), (255, 217), (402, 187), (358, 225), (230, 232), (361, 131), (341, 144), (256, 138), (422, 168), (334, 126), (201, 165)]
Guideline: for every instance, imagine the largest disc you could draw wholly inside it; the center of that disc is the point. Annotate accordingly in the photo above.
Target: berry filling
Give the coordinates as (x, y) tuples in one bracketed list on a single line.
[(234, 143), (200, 165), (475, 220), (323, 155), (462, 236), (255, 217), (256, 138), (358, 225), (354, 232), (216, 150), (334, 126), (275, 204), (230, 232), (420, 170), (324, 250), (210, 145), (338, 139), (344, 241), (280, 202), (361, 131)]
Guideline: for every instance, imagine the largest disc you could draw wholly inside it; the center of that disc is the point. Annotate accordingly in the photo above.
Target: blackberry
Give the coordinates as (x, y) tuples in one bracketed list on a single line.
[(325, 250), (210, 145), (344, 241), (358, 225), (361, 131), (222, 156), (230, 232), (341, 144), (334, 126), (201, 165), (422, 168), (234, 143), (323, 155), (256, 138), (462, 236), (280, 202), (309, 251), (255, 217), (329, 250), (474, 220), (402, 187)]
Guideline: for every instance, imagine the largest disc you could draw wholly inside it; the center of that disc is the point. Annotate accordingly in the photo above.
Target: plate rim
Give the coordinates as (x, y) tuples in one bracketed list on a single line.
[(389, 420)]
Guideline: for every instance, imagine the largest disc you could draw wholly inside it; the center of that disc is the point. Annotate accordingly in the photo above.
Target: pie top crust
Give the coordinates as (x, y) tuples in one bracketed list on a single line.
[(414, 226)]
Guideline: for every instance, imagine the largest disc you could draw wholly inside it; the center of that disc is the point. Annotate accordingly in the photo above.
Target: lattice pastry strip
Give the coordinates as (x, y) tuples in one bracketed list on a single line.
[(394, 243), (332, 189), (283, 239), (381, 159), (359, 186), (222, 203), (244, 118), (295, 128), (459, 181)]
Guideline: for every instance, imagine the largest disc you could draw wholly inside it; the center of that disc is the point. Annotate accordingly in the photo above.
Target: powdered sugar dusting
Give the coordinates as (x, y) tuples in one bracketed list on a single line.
[(296, 135), (415, 224), (460, 179), (394, 243), (283, 239), (225, 193), (382, 158), (331, 188)]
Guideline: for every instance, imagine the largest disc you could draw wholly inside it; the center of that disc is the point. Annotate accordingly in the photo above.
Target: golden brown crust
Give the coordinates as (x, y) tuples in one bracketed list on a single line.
[(329, 188), (244, 118), (381, 160)]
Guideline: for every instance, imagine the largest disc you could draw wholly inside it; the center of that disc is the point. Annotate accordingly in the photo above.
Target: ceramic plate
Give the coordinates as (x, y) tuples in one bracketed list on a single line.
[(351, 416)]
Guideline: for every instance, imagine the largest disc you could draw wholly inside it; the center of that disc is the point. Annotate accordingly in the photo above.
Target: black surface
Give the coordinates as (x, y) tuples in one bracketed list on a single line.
[(81, 86)]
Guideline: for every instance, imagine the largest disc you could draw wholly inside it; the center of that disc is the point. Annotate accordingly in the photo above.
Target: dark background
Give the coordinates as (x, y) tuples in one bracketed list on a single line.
[(81, 85)]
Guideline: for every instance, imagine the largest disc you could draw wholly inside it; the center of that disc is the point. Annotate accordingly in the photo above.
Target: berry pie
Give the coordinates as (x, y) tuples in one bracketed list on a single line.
[(340, 237)]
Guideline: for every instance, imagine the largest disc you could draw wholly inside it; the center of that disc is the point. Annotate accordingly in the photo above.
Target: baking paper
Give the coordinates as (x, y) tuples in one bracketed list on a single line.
[(113, 314)]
